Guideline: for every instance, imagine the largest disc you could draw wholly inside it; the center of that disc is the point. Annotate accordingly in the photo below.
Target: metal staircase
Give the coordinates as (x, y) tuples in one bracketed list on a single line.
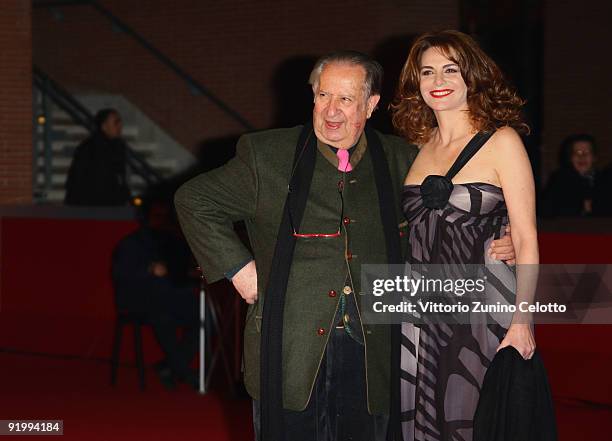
[(62, 122), (66, 135)]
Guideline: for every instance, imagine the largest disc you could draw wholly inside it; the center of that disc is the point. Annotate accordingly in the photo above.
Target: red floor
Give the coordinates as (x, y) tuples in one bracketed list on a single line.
[(78, 392), (65, 307)]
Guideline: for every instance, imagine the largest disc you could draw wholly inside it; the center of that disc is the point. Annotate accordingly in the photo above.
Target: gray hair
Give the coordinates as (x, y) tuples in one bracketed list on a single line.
[(373, 69)]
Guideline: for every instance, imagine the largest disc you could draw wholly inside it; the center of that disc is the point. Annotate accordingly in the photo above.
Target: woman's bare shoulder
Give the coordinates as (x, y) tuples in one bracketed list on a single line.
[(510, 158), (506, 138)]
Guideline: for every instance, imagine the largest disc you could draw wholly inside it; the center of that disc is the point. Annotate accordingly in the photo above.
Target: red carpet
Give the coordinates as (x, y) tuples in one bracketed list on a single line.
[(56, 299), (78, 392)]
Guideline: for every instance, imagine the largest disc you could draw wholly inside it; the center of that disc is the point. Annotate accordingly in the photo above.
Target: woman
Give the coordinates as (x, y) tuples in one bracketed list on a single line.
[(451, 95), (577, 188)]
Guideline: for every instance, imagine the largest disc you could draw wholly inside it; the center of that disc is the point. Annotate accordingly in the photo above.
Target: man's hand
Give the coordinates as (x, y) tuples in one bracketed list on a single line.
[(245, 282), (503, 249)]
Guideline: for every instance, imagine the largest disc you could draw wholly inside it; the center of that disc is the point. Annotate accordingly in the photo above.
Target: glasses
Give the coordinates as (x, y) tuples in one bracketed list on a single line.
[(319, 235)]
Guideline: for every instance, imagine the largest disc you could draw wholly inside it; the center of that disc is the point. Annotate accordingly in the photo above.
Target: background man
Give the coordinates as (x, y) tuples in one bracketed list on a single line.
[(97, 175), (153, 277)]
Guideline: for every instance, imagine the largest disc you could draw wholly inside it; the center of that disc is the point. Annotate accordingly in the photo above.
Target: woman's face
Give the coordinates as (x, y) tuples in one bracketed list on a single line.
[(582, 157), (441, 84)]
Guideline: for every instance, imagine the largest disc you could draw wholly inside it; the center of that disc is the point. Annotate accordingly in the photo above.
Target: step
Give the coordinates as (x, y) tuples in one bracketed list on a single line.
[(56, 162), (55, 195), (67, 147), (59, 173), (58, 182), (72, 128), (65, 161), (57, 179)]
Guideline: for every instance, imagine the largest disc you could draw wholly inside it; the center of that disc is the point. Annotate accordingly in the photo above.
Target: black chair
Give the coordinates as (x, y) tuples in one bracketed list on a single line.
[(125, 318), (138, 320)]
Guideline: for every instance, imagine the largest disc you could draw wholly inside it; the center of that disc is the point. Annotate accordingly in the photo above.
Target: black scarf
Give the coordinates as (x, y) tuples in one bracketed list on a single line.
[(272, 427)]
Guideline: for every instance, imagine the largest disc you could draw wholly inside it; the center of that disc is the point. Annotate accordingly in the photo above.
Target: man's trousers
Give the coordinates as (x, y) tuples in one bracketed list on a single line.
[(337, 410)]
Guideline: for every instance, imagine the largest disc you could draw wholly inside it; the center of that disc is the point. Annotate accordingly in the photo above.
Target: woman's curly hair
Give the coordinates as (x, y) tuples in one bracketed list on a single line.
[(492, 102)]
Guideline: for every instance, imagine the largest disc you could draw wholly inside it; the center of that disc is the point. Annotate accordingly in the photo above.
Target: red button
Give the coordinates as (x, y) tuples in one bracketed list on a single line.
[(321, 331), (349, 255), (346, 220), (332, 293)]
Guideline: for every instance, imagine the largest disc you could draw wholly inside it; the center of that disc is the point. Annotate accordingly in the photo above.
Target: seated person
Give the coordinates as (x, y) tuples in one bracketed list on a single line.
[(152, 274), (576, 188)]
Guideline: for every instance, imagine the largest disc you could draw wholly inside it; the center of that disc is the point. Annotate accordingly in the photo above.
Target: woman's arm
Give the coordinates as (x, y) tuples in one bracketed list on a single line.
[(515, 175)]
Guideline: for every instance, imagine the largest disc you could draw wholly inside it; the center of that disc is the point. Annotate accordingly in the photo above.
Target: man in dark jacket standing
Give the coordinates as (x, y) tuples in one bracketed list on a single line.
[(97, 175)]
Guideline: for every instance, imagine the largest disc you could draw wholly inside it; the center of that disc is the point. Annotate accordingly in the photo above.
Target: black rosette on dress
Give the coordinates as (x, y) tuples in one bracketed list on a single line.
[(436, 191)]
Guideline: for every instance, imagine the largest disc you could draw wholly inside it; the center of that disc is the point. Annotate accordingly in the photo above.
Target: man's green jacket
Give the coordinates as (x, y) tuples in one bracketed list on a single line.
[(253, 187)]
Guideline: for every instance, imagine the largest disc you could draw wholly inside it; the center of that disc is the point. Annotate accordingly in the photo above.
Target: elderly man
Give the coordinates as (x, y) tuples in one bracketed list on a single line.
[(319, 201)]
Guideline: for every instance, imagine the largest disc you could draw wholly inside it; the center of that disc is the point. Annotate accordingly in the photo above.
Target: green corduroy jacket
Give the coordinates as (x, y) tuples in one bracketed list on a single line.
[(253, 187)]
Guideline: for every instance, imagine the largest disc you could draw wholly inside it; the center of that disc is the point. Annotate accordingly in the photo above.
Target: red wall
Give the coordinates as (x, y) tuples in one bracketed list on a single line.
[(55, 293), (59, 266), (15, 102), (232, 47)]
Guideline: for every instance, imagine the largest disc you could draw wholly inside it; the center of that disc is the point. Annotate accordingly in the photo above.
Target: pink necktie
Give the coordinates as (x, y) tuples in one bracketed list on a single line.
[(343, 160)]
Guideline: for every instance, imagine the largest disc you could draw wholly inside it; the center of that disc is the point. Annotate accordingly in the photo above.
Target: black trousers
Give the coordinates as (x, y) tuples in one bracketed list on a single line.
[(337, 410)]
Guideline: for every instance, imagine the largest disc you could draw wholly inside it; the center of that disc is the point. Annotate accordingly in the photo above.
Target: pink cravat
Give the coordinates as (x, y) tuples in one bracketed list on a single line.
[(343, 160)]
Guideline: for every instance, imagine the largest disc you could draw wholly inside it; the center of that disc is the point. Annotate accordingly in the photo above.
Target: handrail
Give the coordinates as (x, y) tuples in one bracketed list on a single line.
[(58, 93), (193, 84), (83, 117)]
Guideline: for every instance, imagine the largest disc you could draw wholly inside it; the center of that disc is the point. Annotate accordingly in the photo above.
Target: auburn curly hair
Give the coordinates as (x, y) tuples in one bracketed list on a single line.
[(492, 102)]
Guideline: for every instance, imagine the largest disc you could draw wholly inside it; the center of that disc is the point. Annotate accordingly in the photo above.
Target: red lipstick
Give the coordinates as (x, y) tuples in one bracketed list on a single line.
[(441, 93)]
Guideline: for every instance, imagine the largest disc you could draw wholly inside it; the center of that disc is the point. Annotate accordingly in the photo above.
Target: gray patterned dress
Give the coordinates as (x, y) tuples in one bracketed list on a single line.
[(443, 366)]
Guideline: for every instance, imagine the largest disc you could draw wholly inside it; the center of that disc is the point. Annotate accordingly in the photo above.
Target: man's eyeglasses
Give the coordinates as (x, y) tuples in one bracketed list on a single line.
[(297, 234)]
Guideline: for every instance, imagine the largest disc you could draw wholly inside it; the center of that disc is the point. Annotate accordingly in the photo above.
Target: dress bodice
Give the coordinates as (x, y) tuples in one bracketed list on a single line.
[(474, 215)]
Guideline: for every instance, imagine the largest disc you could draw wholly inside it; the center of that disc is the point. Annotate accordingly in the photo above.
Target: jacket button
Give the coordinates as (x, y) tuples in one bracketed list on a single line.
[(346, 220), (321, 331), (347, 290), (332, 293), (349, 255)]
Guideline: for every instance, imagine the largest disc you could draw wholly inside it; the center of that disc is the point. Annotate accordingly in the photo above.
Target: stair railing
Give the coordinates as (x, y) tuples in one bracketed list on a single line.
[(50, 89)]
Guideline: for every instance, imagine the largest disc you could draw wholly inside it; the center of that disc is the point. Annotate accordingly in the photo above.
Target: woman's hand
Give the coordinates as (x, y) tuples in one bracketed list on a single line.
[(520, 336)]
